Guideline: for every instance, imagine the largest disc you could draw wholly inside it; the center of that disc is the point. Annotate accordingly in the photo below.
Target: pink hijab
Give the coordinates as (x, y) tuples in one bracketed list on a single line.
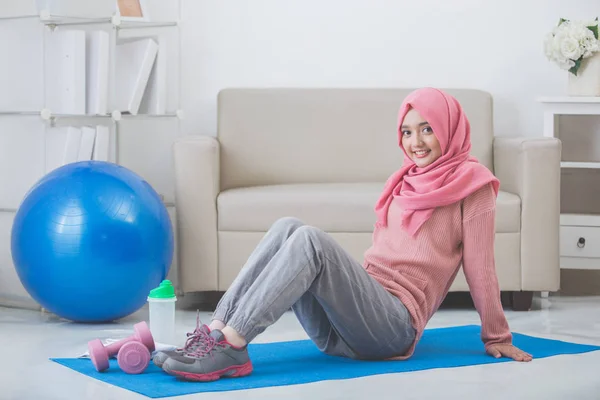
[(452, 177)]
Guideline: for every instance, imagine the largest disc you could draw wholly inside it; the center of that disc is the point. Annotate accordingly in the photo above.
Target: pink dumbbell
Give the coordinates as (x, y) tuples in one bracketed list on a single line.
[(100, 353), (133, 358)]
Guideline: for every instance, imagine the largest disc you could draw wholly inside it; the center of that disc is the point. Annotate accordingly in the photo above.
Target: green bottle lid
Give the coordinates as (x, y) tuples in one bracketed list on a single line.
[(164, 291)]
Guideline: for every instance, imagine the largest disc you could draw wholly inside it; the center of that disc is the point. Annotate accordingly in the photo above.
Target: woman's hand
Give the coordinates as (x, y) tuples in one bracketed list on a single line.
[(510, 351)]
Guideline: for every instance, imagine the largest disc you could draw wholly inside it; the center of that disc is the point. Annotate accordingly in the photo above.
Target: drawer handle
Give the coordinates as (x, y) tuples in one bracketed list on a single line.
[(581, 243)]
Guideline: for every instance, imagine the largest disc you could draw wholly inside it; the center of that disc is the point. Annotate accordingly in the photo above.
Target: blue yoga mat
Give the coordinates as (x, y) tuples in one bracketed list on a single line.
[(297, 362)]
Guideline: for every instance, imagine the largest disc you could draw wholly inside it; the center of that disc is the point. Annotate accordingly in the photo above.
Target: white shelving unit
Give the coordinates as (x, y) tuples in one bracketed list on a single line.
[(34, 130), (579, 232)]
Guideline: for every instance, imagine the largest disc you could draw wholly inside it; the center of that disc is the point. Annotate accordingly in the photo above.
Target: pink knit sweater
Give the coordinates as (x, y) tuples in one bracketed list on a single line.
[(419, 270)]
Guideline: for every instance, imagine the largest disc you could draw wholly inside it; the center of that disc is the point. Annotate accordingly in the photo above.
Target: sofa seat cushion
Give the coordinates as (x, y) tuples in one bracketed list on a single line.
[(333, 207)]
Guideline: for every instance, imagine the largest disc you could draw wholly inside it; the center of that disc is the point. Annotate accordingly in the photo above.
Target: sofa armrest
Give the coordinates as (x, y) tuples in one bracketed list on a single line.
[(197, 185), (530, 168)]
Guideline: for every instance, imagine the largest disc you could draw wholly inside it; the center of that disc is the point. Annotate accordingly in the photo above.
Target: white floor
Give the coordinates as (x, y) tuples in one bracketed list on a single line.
[(29, 338)]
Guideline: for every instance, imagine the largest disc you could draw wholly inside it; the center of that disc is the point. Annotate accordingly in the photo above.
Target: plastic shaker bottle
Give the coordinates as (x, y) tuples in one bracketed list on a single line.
[(161, 302)]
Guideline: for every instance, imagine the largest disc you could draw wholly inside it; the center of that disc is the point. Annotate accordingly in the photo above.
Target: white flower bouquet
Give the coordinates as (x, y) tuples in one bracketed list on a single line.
[(570, 42)]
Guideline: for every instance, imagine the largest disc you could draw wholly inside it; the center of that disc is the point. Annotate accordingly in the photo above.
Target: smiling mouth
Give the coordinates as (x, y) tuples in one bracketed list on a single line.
[(421, 153)]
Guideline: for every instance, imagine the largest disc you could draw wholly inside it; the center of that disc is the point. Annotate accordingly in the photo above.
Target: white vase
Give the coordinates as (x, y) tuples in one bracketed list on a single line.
[(587, 81)]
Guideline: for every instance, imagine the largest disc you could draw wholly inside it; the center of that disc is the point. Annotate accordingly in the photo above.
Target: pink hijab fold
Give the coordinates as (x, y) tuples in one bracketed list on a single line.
[(451, 178)]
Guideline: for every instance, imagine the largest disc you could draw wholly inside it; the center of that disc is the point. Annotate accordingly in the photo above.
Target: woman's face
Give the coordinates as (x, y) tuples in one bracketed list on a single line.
[(419, 140)]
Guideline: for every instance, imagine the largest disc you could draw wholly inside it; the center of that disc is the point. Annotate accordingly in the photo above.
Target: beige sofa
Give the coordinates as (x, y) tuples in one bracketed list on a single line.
[(322, 155)]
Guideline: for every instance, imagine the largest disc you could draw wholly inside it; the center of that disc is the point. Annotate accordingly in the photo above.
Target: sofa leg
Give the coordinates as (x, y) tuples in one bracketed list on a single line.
[(521, 301), (506, 299)]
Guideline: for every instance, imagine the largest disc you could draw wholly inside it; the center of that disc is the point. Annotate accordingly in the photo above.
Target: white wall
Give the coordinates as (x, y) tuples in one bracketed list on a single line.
[(491, 45)]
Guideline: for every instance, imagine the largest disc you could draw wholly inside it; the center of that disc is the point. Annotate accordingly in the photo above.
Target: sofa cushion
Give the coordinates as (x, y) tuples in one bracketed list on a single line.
[(333, 207)]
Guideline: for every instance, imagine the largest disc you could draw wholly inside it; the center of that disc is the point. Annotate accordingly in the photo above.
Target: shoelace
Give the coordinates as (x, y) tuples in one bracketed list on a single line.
[(196, 337), (206, 347)]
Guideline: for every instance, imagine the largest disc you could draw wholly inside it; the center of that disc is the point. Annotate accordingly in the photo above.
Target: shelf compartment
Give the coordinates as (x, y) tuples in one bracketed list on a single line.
[(579, 238)]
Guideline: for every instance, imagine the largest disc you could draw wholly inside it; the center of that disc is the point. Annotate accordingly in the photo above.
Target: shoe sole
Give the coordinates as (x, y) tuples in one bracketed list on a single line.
[(235, 371)]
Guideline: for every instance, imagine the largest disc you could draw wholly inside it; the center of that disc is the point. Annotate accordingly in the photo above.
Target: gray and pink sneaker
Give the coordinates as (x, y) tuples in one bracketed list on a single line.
[(216, 358), (194, 339)]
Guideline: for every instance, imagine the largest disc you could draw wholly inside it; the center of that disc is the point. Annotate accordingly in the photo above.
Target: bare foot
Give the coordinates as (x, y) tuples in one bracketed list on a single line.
[(216, 324), (233, 337)]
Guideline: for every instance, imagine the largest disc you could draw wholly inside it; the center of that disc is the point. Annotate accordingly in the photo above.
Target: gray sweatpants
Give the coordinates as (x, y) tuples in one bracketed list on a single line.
[(341, 307)]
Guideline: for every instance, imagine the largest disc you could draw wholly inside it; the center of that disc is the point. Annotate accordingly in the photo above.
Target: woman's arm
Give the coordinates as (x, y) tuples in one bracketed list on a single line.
[(480, 270), (479, 265)]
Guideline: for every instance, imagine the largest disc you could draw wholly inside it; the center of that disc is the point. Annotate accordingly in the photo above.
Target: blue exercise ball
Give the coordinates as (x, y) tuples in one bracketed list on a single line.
[(90, 240)]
